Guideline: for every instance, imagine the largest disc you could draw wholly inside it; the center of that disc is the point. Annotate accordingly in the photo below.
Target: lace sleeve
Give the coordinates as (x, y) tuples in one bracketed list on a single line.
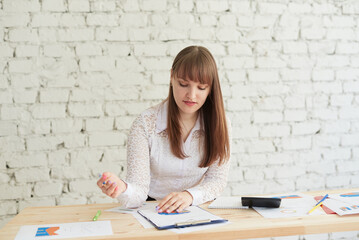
[(138, 166), (214, 181)]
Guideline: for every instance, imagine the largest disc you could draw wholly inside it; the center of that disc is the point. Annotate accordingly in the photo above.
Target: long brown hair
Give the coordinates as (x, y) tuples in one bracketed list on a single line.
[(197, 64)]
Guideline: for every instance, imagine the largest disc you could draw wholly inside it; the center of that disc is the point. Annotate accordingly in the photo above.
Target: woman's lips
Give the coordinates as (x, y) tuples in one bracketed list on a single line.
[(189, 103)]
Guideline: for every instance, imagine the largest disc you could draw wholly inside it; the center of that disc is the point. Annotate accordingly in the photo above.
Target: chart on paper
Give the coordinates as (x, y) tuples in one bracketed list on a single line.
[(64, 230)]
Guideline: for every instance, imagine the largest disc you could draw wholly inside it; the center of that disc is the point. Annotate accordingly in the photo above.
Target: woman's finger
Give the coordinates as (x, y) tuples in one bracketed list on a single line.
[(164, 201), (115, 193), (174, 206), (103, 180), (110, 188), (182, 207), (178, 202), (172, 203)]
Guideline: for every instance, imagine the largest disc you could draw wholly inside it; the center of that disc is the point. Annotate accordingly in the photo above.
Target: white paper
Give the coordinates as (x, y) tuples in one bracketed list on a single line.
[(133, 212), (64, 230), (344, 203), (292, 205), (143, 221), (195, 214), (227, 203), (197, 228), (350, 198), (121, 210), (152, 206)]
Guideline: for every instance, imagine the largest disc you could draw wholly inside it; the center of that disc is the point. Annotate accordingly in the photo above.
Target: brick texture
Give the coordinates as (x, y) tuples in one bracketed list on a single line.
[(74, 74)]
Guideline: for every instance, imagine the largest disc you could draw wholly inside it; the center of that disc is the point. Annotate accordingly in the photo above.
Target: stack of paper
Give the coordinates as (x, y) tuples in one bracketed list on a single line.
[(292, 205), (151, 206), (194, 216), (344, 203)]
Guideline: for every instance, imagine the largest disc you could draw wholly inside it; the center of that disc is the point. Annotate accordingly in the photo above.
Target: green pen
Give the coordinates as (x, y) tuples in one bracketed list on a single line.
[(97, 215)]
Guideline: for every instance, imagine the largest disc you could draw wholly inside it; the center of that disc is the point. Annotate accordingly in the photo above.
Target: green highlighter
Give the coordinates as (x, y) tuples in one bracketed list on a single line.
[(97, 215)]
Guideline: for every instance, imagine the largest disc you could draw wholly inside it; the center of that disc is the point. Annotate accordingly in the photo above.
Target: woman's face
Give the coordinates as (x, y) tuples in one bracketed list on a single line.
[(189, 95)]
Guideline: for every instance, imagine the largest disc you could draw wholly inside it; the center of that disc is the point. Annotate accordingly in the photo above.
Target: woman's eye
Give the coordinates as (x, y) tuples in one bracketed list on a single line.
[(202, 88), (183, 85)]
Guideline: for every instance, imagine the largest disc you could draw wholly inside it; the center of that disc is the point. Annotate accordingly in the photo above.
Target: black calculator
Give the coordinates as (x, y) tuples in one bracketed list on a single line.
[(261, 202)]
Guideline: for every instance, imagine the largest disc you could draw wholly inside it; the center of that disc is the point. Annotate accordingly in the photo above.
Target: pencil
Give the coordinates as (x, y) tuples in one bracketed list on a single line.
[(315, 207), (322, 199)]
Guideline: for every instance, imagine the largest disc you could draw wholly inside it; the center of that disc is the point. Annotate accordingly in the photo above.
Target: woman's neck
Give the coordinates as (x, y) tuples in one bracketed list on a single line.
[(188, 118), (187, 122)]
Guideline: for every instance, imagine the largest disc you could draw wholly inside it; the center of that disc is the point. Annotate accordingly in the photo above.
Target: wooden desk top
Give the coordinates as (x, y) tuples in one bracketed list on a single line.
[(245, 223)]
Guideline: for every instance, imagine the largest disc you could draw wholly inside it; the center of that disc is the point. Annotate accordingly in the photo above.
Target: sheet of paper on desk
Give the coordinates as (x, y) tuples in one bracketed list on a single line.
[(147, 224), (195, 214), (348, 197), (197, 228), (227, 203), (146, 205), (292, 205), (344, 203), (133, 212), (64, 230)]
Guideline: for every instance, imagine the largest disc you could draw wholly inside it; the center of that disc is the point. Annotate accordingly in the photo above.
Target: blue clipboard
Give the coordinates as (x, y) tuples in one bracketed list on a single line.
[(172, 222)]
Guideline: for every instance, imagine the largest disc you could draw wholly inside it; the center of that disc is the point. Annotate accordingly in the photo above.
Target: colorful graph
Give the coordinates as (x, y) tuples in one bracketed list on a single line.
[(345, 208), (289, 197), (349, 208), (352, 194), (46, 231), (174, 213)]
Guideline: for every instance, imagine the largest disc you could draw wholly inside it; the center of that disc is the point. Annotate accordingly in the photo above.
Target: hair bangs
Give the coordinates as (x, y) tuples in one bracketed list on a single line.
[(196, 68)]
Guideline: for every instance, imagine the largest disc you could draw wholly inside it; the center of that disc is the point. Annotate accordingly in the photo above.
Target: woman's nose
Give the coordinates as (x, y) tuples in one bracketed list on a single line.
[(191, 94)]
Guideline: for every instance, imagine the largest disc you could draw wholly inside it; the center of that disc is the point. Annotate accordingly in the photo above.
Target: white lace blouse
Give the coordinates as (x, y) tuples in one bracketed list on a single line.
[(152, 169)]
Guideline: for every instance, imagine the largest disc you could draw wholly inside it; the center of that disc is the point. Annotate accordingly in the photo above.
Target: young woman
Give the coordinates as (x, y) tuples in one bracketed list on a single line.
[(178, 151)]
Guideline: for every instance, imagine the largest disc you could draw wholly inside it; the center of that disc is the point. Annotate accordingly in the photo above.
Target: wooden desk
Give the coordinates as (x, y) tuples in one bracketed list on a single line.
[(245, 223)]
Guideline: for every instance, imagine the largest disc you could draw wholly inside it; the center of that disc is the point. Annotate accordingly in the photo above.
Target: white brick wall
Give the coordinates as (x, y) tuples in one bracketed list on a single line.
[(74, 74)]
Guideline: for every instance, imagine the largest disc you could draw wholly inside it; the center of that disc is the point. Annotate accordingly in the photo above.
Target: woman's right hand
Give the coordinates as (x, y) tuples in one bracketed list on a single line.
[(111, 185)]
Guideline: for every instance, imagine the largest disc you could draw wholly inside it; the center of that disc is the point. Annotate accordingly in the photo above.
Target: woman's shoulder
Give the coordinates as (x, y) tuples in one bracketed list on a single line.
[(148, 118), (152, 111)]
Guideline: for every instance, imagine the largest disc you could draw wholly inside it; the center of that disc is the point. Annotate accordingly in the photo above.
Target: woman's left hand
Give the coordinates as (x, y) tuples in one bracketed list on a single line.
[(176, 201)]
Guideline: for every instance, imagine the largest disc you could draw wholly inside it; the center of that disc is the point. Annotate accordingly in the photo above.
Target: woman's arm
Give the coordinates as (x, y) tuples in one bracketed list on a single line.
[(213, 184), (215, 179), (138, 166)]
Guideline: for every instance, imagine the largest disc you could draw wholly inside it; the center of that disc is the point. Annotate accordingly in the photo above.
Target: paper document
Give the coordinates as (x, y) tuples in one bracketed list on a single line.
[(64, 230), (344, 203), (147, 224), (197, 228), (133, 212), (227, 203), (192, 217), (292, 205)]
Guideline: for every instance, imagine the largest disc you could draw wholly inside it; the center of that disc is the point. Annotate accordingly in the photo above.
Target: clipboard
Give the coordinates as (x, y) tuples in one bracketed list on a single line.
[(196, 217)]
